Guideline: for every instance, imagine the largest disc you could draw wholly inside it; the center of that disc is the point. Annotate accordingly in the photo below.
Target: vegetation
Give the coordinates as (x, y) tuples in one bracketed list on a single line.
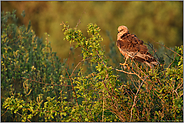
[(37, 86)]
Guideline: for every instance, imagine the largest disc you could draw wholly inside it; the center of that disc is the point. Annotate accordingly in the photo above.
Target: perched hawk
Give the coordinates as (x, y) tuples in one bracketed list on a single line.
[(131, 47)]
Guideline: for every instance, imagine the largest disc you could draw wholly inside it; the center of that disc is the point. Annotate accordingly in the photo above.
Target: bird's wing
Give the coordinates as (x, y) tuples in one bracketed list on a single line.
[(131, 44)]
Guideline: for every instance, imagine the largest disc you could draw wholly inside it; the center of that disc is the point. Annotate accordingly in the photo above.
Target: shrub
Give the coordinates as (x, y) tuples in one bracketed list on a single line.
[(37, 86)]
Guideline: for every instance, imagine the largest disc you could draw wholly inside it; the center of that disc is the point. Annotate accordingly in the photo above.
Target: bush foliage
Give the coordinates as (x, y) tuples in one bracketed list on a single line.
[(37, 86)]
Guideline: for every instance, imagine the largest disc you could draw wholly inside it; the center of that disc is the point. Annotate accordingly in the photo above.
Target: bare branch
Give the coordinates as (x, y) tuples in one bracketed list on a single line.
[(167, 48), (135, 97), (4, 112), (150, 45), (72, 87), (172, 61), (22, 116), (78, 65)]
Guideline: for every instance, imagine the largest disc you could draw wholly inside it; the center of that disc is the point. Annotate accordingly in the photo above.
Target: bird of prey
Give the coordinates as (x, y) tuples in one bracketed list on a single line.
[(131, 47)]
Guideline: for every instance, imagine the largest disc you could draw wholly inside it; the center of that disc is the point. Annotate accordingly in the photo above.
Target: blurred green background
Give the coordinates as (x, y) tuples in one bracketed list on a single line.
[(158, 21)]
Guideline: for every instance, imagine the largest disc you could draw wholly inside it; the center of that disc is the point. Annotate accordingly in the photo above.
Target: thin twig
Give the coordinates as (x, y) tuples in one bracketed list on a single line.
[(172, 61), (103, 106), (114, 110), (114, 107), (69, 55), (175, 92), (78, 65), (179, 86), (78, 23), (4, 112), (72, 87), (129, 73), (101, 58), (123, 71), (149, 44), (22, 116), (106, 76), (135, 97), (80, 19), (168, 56), (167, 48)]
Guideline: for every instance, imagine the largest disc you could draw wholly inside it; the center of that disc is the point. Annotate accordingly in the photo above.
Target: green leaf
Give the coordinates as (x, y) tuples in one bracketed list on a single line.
[(23, 13)]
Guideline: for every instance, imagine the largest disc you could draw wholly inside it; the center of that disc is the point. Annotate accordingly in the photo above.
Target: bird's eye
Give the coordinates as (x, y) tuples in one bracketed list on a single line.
[(118, 31), (121, 30)]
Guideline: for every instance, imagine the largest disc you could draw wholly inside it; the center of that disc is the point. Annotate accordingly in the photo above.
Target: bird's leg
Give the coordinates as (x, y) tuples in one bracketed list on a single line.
[(124, 62)]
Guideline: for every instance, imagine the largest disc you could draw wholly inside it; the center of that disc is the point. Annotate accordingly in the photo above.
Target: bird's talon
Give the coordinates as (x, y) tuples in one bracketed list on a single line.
[(123, 64)]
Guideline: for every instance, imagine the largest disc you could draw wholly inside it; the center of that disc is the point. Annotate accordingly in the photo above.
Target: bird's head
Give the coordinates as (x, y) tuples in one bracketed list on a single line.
[(121, 31)]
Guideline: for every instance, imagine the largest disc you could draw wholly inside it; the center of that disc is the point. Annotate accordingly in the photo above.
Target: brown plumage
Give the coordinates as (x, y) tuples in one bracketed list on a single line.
[(131, 47)]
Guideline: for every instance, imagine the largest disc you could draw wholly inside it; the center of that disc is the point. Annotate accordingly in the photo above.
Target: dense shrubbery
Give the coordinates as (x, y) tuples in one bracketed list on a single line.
[(37, 86)]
